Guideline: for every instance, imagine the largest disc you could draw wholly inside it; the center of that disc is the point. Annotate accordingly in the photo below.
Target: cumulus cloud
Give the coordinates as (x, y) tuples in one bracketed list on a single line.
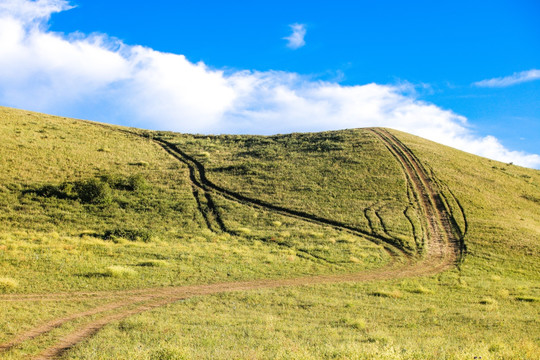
[(99, 78), (296, 39), (516, 78)]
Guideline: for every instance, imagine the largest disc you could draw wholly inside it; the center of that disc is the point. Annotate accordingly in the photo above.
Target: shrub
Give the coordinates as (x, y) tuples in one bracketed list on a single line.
[(143, 235), (396, 294), (7, 284), (140, 163), (131, 325), (115, 181), (136, 182), (93, 191), (62, 191), (131, 183), (50, 191)]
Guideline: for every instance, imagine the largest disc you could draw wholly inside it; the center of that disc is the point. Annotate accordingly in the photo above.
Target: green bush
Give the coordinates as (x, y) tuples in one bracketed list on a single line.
[(131, 183), (115, 181), (143, 235), (136, 182), (93, 191)]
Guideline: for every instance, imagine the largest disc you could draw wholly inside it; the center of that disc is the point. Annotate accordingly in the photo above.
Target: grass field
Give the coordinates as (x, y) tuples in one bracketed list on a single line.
[(92, 215)]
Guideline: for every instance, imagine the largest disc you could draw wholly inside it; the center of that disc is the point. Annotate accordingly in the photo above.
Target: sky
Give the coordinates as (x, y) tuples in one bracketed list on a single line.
[(462, 73)]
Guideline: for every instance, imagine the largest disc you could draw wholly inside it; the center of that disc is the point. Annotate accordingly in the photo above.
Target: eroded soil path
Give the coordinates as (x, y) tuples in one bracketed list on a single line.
[(442, 248)]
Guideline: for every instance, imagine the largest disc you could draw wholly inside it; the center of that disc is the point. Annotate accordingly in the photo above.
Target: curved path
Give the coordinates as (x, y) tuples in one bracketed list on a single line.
[(442, 249), (200, 180)]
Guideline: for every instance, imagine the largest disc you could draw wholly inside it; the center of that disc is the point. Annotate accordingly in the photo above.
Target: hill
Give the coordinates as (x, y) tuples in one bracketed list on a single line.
[(358, 243)]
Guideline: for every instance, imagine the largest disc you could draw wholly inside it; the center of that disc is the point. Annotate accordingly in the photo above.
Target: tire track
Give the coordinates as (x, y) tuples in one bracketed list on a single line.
[(182, 293), (207, 209), (443, 204), (444, 244), (199, 178), (442, 250), (418, 231), (53, 324)]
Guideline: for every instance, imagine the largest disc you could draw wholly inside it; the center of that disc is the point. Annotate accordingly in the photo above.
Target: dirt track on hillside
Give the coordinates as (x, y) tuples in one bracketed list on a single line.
[(443, 247)]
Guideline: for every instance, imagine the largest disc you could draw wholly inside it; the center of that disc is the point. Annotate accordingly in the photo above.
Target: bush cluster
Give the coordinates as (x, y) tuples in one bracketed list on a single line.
[(95, 190), (131, 183), (143, 235)]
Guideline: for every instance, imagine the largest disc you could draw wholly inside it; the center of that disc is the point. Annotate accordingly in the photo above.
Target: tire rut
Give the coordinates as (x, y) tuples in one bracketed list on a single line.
[(53, 324), (199, 178), (442, 250), (441, 225)]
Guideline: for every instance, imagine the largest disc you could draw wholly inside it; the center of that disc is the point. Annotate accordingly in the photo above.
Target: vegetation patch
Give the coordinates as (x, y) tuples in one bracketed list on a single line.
[(98, 190), (531, 299), (532, 198), (128, 325), (153, 263), (93, 191), (168, 353), (419, 289), (8, 284), (135, 182), (356, 323), (395, 294), (143, 235), (488, 301), (118, 271)]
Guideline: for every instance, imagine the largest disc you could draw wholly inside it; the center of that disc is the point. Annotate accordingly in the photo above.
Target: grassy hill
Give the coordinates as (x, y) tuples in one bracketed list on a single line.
[(364, 243)]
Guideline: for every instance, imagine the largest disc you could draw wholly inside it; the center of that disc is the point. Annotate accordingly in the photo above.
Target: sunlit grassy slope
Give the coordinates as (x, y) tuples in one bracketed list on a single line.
[(65, 242), (147, 227)]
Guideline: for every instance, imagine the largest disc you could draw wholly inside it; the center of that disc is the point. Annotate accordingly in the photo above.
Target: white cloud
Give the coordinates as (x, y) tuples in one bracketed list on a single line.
[(516, 78), (32, 10), (296, 39), (98, 78)]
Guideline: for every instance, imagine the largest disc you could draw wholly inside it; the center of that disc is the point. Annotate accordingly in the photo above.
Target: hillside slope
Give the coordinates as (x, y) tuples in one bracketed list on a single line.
[(94, 213)]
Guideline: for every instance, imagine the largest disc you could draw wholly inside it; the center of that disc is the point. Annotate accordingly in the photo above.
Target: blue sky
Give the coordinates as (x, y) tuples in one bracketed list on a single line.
[(463, 73)]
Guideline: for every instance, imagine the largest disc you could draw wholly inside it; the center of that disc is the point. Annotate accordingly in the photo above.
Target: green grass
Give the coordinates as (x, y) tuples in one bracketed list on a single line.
[(336, 175), (86, 207), (331, 322), (70, 210)]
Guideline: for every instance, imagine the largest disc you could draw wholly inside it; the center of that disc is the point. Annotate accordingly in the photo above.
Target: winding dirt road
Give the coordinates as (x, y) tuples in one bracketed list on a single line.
[(442, 248)]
